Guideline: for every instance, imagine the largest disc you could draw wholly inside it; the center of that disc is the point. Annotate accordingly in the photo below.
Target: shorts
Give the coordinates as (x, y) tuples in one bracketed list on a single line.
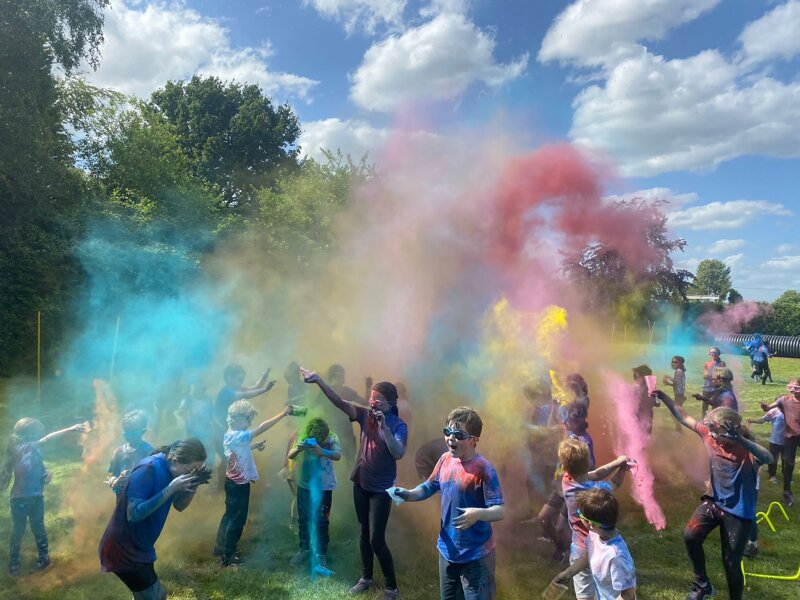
[(583, 581)]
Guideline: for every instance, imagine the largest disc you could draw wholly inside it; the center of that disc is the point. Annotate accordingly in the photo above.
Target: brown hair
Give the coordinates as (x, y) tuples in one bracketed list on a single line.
[(184, 451), (470, 419), (681, 360), (599, 505), (574, 456)]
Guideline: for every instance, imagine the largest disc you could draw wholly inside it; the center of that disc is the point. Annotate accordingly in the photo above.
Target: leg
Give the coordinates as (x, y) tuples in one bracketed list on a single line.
[(789, 454), (303, 517), (36, 516), (239, 495), (477, 578), (154, 592), (323, 522), (583, 582), (19, 522), (701, 523), (734, 533), (450, 580), (380, 505), (361, 502), (772, 469), (223, 525)]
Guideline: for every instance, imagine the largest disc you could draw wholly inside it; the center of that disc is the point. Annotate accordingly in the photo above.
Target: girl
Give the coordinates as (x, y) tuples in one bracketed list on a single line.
[(383, 442), (24, 463), (678, 383), (168, 477)]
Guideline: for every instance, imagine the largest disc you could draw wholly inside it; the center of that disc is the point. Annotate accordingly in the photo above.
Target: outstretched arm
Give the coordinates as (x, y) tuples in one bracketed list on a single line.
[(269, 423), (677, 412), (607, 469), (422, 492), (57, 434), (340, 403)]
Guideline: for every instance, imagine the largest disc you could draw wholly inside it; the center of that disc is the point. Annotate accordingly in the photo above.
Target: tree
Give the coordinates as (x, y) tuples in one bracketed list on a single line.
[(734, 296), (611, 284), (712, 278), (233, 135), (786, 318)]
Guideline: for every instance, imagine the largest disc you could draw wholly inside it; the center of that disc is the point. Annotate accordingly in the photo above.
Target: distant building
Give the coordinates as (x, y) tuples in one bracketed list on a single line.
[(704, 298)]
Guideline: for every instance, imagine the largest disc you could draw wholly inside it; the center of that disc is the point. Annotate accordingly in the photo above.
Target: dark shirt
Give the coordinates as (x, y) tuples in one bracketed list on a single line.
[(29, 471), (227, 396), (376, 468)]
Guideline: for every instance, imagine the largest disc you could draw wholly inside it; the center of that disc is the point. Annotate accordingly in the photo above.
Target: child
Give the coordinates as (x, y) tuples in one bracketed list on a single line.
[(127, 456), (774, 416), (644, 412), (713, 362), (722, 391), (678, 383), (25, 464), (197, 412), (471, 501), (240, 471), (575, 413), (734, 464), (790, 405), (316, 481), (543, 435), (607, 556), (574, 457)]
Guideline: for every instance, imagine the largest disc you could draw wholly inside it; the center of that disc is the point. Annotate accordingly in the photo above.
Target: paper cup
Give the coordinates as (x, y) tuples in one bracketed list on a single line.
[(554, 591), (651, 383)]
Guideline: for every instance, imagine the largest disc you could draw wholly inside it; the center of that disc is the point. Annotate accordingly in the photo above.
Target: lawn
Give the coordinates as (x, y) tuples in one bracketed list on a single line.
[(78, 507)]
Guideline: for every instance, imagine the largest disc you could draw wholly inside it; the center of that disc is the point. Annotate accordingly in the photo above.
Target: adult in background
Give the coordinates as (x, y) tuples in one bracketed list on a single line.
[(790, 405), (383, 442)]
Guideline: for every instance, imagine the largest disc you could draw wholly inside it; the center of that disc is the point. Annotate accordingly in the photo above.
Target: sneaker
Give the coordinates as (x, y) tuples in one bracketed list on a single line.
[(751, 549), (322, 560), (361, 586), (217, 551), (227, 561), (41, 564), (391, 594), (299, 558), (700, 591), (788, 497), (14, 569), (773, 480)]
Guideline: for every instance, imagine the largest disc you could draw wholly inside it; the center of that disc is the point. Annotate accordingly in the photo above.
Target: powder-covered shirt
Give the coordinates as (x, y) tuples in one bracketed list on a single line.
[(612, 566), (775, 416), (575, 415), (125, 457), (240, 467), (724, 398), (791, 414), (317, 472), (571, 488), (463, 484), (376, 468), (708, 369), (29, 471), (733, 475), (128, 546), (679, 382)]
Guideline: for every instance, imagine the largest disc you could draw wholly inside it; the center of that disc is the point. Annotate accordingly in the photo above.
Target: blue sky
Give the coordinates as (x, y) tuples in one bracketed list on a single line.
[(695, 101)]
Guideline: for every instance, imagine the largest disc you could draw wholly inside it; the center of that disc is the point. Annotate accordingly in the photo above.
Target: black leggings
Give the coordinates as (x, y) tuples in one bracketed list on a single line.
[(372, 510), (734, 533), (789, 453), (777, 451)]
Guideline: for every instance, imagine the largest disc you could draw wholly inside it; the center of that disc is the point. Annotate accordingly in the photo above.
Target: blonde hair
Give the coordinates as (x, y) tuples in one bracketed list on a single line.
[(241, 408), (574, 456)]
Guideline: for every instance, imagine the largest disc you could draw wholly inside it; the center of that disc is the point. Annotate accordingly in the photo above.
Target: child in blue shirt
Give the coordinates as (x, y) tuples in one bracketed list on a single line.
[(25, 464), (471, 501), (128, 455), (774, 416)]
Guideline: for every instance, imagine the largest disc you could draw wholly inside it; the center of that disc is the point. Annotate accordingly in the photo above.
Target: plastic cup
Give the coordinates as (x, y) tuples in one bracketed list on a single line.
[(651, 383), (554, 591)]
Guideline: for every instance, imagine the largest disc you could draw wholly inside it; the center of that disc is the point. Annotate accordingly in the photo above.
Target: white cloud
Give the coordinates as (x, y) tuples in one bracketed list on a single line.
[(655, 115), (355, 138), (726, 215), (734, 260), (775, 35), (435, 61), (784, 264), (367, 14), (725, 246), (785, 248), (149, 43), (602, 32)]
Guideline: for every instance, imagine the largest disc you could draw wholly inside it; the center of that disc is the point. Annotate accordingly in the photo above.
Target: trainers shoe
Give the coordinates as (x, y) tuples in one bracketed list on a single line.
[(322, 560), (773, 480), (391, 594), (700, 591), (41, 564), (227, 561), (299, 558), (788, 497), (361, 586), (751, 549)]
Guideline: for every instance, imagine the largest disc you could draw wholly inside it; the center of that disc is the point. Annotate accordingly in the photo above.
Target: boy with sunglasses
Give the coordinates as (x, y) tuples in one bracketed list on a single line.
[(789, 404), (471, 500), (607, 555)]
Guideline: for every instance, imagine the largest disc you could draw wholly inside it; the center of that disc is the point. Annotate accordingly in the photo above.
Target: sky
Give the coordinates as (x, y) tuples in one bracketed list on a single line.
[(693, 101)]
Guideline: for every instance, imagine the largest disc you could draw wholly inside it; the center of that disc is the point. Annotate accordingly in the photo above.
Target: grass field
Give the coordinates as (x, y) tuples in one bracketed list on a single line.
[(189, 572)]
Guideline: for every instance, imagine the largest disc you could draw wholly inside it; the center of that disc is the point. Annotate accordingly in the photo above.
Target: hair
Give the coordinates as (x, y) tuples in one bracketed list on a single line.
[(723, 373), (599, 505), (184, 451), (318, 429), (470, 419), (794, 381), (26, 430), (134, 420), (641, 371), (681, 360), (537, 392), (574, 456), (715, 349), (388, 390), (336, 370), (577, 384), (232, 370), (722, 416), (241, 408)]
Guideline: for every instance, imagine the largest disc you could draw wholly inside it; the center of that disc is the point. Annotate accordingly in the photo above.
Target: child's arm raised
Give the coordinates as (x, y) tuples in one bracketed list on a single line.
[(80, 427), (680, 416), (261, 387), (607, 469), (343, 405), (287, 410)]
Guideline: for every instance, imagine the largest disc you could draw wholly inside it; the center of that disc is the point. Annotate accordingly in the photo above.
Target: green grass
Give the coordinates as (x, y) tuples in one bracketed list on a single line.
[(189, 572)]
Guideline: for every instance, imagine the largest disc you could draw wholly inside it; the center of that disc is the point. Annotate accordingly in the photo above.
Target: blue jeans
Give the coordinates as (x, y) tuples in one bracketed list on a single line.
[(467, 581), (26, 509)]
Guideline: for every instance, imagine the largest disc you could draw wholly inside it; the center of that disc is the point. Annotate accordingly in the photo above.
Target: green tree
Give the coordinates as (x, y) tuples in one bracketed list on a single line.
[(785, 320), (234, 136), (734, 296), (712, 278)]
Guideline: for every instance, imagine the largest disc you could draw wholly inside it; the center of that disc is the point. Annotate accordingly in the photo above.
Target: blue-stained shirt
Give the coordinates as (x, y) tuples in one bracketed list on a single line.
[(127, 546), (733, 475), (775, 416), (29, 471), (464, 484), (125, 457), (376, 468)]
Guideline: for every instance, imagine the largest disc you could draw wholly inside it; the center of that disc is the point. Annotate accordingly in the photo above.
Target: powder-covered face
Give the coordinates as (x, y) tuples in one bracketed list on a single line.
[(675, 363), (464, 448), (378, 402), (178, 468)]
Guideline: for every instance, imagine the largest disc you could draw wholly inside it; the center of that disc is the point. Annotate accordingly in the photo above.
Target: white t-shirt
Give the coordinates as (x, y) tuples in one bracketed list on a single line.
[(240, 468), (612, 566)]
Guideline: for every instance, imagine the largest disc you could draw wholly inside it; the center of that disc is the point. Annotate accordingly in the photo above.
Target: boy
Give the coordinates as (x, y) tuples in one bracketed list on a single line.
[(471, 500), (734, 461), (128, 455), (574, 457), (240, 471), (315, 485), (775, 417), (722, 390), (607, 556)]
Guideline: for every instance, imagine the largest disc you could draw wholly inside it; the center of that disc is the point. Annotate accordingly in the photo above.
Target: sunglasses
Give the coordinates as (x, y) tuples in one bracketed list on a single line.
[(583, 517), (459, 434), (793, 388)]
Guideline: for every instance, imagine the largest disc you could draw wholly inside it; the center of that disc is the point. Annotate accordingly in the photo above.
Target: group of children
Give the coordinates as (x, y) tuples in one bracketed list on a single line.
[(580, 514)]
